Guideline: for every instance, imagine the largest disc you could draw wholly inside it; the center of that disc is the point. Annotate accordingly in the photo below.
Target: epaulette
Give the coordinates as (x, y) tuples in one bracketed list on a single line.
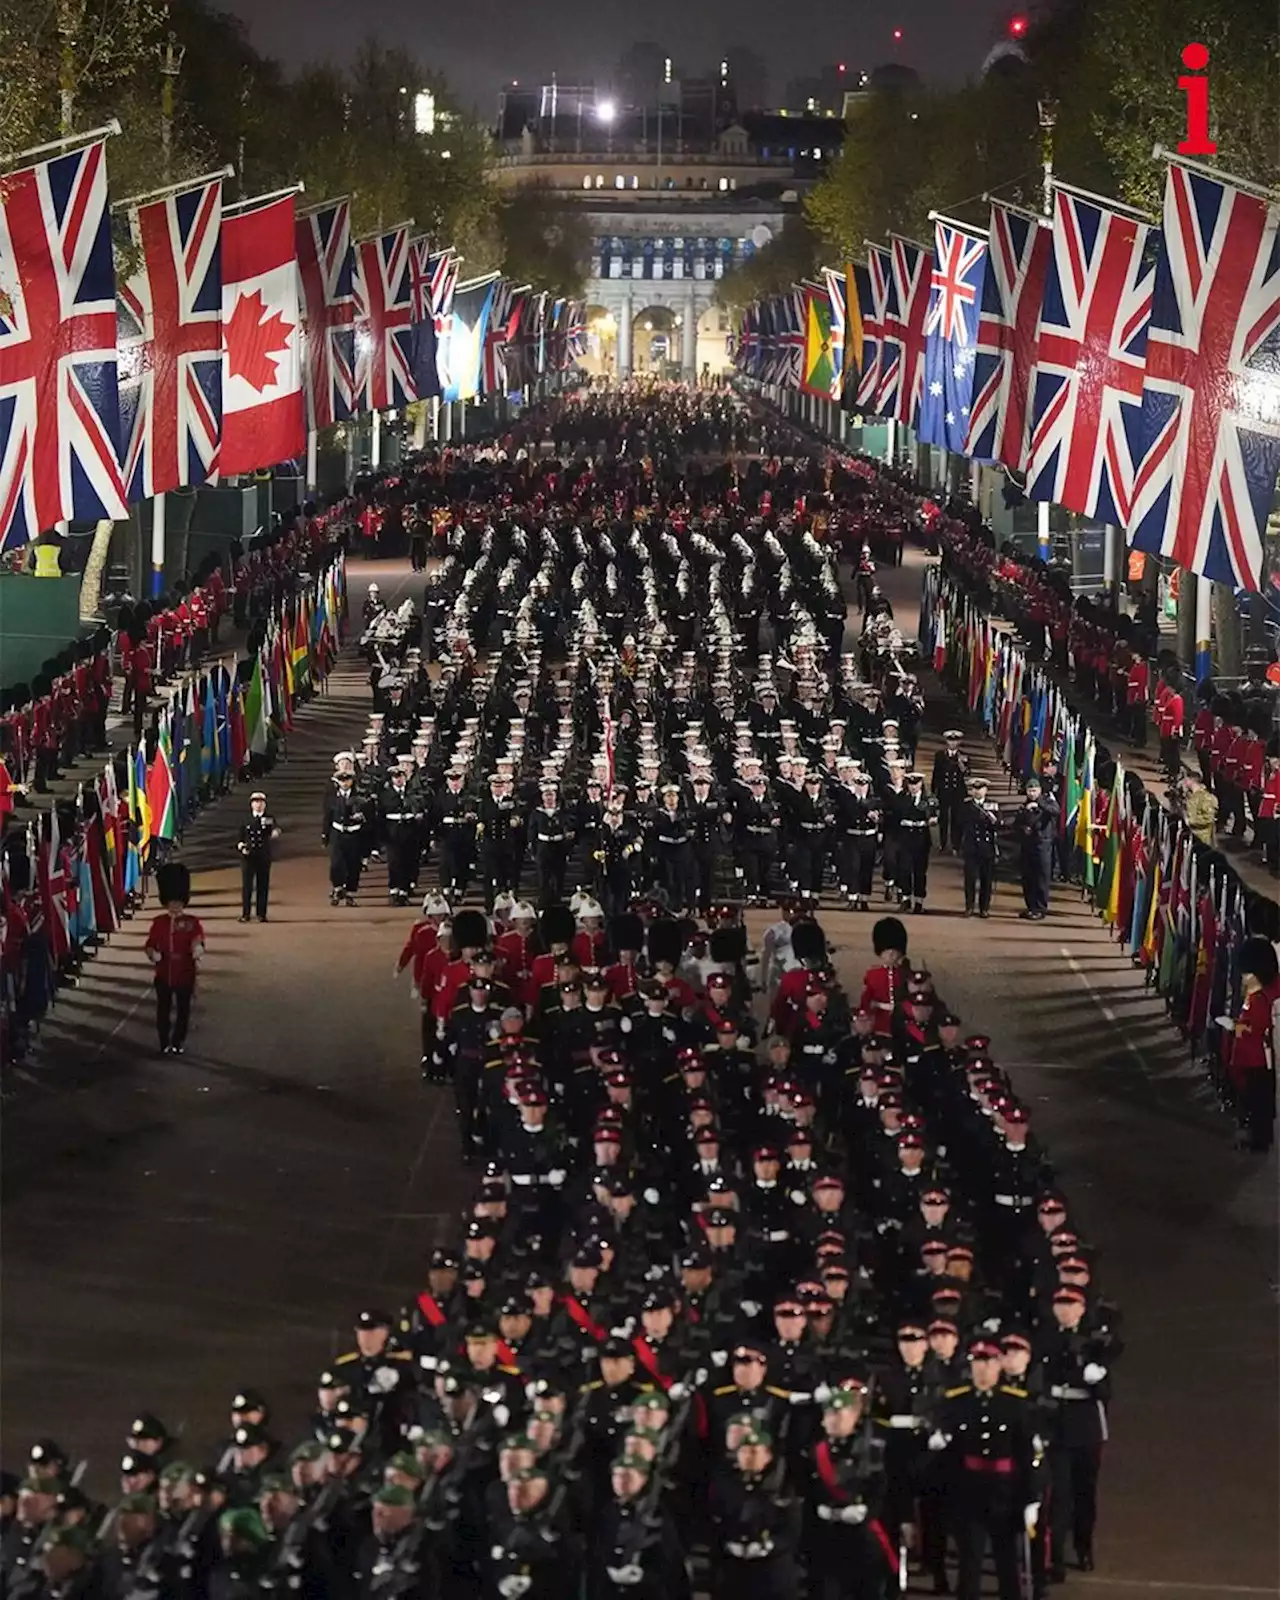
[(782, 1394), (513, 1372), (1008, 1388), (646, 1388), (400, 1355), (954, 1394), (351, 1355), (726, 1388)]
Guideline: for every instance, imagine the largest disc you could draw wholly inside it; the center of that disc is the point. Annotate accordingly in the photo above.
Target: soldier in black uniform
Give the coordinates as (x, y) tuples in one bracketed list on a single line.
[(635, 1549), (913, 812), (1036, 825), (947, 786), (550, 834), (808, 832), (755, 838), (400, 819), (256, 838), (857, 831), (500, 834), (672, 846), (848, 1553), (452, 824), (978, 834), (757, 1525), (993, 1461), (344, 829)]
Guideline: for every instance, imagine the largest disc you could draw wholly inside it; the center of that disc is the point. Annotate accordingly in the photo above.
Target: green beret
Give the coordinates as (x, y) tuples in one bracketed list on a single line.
[(633, 1464), (308, 1450), (393, 1494), (756, 1436), (177, 1472), (841, 1399), (245, 1523), (405, 1461), (276, 1483), (69, 1537)]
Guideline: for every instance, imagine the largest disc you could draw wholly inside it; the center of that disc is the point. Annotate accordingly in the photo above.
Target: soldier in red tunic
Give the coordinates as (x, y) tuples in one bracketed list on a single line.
[(175, 944)]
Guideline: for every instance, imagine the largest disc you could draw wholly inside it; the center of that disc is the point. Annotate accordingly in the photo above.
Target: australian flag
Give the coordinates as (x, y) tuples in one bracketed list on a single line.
[(951, 335)]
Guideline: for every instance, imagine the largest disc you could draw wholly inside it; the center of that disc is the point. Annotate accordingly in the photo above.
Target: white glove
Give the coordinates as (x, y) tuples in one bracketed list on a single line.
[(799, 1397), (743, 1042), (556, 1177), (522, 1179), (719, 1357), (1030, 1516), (938, 1441), (623, 1331), (652, 1197), (826, 1513), (384, 1380), (777, 1236), (751, 1308), (822, 1393), (991, 1325), (512, 1587), (626, 1576), (854, 1514), (1093, 1373), (700, 1376), (678, 1391), (502, 1415), (798, 1197)]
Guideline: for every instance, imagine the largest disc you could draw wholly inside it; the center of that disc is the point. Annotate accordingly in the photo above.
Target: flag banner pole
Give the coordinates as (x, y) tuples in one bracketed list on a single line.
[(368, 238), (1249, 185), (477, 283), (914, 243), (313, 452), (157, 546), (59, 145), (973, 229), (1018, 211), (263, 199), (172, 188), (1105, 200)]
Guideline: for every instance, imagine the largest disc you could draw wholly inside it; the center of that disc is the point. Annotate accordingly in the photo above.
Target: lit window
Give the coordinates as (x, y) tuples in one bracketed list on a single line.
[(723, 185), (599, 180), (733, 183), (619, 182), (635, 181), (811, 104), (586, 182)]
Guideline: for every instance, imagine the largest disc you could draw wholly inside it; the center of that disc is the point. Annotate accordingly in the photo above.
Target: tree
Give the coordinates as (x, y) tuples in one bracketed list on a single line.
[(544, 242), (787, 259)]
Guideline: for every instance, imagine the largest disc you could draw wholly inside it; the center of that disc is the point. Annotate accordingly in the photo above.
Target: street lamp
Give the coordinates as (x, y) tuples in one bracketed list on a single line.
[(606, 111)]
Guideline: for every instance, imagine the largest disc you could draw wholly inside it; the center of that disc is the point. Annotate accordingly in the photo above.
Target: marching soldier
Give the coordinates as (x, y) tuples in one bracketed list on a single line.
[(257, 836), (978, 832), (913, 811), (857, 831), (400, 820), (947, 786), (757, 1524), (175, 948), (1036, 826), (848, 1553), (550, 834), (344, 828)]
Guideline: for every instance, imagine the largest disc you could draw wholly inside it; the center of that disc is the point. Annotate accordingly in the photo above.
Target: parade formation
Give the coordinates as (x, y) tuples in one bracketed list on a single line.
[(764, 1288)]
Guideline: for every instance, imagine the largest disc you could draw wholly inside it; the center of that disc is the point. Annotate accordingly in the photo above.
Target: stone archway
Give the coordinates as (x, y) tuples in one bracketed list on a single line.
[(632, 302), (656, 340), (600, 358)]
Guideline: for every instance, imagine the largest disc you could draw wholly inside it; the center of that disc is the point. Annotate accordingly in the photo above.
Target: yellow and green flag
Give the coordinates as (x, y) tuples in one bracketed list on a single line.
[(819, 372)]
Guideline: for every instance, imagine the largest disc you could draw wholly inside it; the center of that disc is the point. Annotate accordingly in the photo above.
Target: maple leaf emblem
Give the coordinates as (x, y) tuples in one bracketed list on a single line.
[(252, 339)]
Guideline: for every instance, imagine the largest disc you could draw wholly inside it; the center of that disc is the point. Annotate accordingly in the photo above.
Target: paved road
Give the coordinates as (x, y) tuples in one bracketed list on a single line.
[(176, 1229)]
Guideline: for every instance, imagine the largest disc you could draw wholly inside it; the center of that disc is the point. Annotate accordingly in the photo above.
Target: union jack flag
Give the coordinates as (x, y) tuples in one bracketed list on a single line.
[(384, 376), (169, 325), (837, 286), (789, 312), (443, 285), (873, 297), (1017, 257), (1091, 348), (951, 334), (902, 361), (503, 307), (1211, 403), (59, 404), (429, 272), (325, 265), (576, 331)]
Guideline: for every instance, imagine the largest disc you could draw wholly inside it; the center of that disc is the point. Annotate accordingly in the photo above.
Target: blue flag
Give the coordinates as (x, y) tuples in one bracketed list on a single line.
[(472, 303), (951, 335)]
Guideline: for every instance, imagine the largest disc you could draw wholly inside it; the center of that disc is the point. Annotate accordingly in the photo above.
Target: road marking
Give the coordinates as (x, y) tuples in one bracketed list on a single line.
[(1105, 1009), (1164, 1585)]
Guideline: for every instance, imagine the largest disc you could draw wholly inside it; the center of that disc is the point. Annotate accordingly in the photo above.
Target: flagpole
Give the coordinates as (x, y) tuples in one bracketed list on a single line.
[(157, 546), (172, 188), (59, 145), (1162, 153), (375, 443), (264, 199), (313, 453), (970, 228), (1100, 200)]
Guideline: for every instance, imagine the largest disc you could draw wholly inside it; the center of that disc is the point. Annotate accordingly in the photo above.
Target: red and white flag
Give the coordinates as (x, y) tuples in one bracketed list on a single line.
[(263, 418)]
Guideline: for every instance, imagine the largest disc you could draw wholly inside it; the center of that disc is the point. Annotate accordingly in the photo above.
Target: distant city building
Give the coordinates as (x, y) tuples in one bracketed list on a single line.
[(748, 77), (678, 190)]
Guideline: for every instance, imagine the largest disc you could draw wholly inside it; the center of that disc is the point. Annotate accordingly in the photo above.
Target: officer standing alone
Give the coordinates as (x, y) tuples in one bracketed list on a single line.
[(257, 837), (978, 830)]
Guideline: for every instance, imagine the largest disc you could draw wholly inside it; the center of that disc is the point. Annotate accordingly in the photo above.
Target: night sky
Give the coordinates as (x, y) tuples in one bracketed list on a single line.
[(481, 44)]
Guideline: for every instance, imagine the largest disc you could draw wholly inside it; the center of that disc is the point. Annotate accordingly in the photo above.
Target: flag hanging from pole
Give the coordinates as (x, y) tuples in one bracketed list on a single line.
[(1012, 290), (902, 362), (1210, 409), (384, 375), (325, 265), (263, 417), (951, 332), (170, 335), (59, 402)]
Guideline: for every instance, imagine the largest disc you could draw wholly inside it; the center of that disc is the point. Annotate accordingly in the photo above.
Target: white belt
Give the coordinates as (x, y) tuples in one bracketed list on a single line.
[(1016, 1202), (1067, 1391), (904, 1419)]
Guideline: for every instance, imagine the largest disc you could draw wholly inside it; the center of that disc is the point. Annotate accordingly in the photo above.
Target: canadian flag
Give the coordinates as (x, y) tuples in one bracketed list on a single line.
[(263, 417)]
